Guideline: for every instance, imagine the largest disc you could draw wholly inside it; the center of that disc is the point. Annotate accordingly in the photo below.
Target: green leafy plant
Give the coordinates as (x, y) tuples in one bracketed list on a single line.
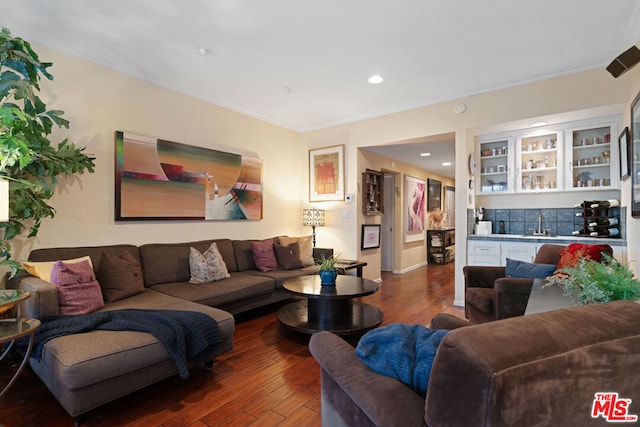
[(329, 263), (28, 159), (589, 281)]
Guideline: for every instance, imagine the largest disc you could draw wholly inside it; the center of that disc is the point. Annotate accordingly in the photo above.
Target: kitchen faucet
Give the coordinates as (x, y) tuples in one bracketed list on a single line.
[(540, 231)]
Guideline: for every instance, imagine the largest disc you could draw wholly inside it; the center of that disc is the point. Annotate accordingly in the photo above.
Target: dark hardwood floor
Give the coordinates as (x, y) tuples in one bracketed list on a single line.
[(268, 379)]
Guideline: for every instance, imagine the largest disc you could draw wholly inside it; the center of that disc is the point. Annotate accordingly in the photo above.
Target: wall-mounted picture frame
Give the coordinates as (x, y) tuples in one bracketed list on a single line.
[(326, 174), (156, 179), (434, 198), (634, 156), (370, 238), (623, 149), (414, 206)]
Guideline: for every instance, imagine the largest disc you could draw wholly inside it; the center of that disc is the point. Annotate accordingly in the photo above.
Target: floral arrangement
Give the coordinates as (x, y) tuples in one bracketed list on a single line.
[(588, 281)]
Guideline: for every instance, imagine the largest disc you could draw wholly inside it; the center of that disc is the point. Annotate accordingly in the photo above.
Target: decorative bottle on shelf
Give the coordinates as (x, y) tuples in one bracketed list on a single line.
[(603, 222), (585, 204), (612, 232), (612, 203), (586, 212), (582, 231)]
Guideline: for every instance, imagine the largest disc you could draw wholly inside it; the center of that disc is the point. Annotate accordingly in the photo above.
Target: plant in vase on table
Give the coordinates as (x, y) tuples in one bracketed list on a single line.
[(589, 281), (328, 269)]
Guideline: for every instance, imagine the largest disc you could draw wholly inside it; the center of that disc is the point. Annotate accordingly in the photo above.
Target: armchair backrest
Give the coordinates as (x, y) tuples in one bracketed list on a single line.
[(549, 254)]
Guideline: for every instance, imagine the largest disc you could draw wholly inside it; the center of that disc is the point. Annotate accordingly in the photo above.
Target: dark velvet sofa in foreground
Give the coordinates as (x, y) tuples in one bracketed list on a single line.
[(538, 370)]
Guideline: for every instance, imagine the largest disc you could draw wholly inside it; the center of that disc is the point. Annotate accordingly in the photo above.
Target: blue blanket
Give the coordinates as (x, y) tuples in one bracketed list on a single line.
[(186, 335), (403, 352)]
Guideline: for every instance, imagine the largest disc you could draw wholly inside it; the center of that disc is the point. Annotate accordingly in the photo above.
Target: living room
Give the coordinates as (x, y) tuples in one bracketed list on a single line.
[(99, 100)]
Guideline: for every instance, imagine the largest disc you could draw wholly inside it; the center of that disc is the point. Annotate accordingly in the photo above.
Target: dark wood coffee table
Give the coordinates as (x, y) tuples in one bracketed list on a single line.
[(330, 308)]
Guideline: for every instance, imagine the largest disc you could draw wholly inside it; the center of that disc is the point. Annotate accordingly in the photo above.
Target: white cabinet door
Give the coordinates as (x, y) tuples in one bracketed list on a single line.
[(496, 165), (518, 251), (539, 162), (483, 253), (592, 153)]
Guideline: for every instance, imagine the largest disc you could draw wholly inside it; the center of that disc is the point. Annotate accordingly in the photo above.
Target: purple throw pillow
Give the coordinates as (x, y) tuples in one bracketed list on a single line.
[(263, 255), (78, 289)]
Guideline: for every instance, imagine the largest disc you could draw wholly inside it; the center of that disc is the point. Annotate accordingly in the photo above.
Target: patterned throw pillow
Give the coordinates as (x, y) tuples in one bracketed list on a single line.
[(78, 289), (119, 277), (207, 267), (263, 255)]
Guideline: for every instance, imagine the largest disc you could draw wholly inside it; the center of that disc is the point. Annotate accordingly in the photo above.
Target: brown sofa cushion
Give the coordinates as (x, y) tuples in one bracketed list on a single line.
[(119, 277), (244, 258), (169, 262), (288, 256)]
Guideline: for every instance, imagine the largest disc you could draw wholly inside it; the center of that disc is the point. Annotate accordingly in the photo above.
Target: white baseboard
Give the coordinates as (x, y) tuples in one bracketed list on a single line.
[(408, 269), (458, 303)]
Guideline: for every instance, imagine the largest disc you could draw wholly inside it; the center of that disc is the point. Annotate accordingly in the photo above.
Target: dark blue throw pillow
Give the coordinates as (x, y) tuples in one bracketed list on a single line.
[(526, 270)]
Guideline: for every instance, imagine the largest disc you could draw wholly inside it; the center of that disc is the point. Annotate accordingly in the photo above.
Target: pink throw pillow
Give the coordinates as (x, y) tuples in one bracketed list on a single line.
[(78, 289), (263, 255)]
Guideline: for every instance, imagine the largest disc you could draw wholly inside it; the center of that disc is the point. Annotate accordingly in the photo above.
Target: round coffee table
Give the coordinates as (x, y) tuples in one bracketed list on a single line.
[(330, 308)]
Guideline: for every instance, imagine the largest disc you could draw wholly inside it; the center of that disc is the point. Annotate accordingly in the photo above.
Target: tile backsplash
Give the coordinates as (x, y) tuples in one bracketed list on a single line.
[(560, 221)]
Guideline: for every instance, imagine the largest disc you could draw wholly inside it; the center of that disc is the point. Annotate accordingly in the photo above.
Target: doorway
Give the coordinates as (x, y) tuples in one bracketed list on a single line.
[(387, 233)]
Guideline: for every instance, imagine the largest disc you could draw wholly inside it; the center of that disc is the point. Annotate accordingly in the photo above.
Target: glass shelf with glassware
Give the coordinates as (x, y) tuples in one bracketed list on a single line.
[(539, 162), (590, 157)]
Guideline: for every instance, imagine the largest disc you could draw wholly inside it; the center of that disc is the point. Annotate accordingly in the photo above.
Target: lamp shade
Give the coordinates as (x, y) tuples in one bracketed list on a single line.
[(313, 217), (4, 200)]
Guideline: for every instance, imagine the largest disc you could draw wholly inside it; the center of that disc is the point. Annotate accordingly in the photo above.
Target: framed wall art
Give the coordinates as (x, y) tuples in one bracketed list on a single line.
[(634, 157), (623, 149), (326, 174), (157, 179), (434, 198), (415, 198), (370, 236)]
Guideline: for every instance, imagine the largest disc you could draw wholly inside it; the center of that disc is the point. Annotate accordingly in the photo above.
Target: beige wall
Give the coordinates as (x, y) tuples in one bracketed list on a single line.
[(97, 101)]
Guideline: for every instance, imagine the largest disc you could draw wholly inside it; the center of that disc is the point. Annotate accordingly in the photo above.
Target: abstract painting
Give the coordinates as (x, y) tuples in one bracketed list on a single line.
[(415, 195), (326, 174), (159, 179)]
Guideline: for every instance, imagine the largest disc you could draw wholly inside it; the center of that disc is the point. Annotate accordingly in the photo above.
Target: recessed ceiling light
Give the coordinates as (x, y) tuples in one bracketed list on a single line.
[(538, 124), (375, 79), (203, 51), (425, 154), (446, 164)]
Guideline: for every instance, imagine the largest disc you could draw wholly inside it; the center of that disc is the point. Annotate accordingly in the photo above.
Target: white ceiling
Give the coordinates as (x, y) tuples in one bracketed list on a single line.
[(304, 64)]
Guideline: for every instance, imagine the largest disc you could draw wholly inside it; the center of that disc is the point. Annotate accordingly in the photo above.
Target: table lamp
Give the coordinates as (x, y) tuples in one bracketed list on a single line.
[(313, 217)]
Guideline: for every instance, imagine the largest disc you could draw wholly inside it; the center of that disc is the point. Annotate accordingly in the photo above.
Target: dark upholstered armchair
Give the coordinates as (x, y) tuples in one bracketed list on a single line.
[(489, 295)]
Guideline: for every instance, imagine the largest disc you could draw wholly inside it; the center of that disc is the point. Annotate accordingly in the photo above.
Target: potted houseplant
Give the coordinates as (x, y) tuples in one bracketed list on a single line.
[(29, 161), (328, 271), (589, 281)]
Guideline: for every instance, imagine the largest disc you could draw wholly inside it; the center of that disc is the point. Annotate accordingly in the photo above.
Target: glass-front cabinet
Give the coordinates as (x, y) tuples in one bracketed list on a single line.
[(572, 156), (494, 169), (590, 158), (539, 158)]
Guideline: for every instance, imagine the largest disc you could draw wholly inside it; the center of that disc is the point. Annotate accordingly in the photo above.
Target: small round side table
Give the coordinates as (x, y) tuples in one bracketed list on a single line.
[(10, 331)]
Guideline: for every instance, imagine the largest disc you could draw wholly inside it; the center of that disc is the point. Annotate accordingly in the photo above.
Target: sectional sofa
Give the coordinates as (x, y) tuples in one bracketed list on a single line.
[(87, 370)]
